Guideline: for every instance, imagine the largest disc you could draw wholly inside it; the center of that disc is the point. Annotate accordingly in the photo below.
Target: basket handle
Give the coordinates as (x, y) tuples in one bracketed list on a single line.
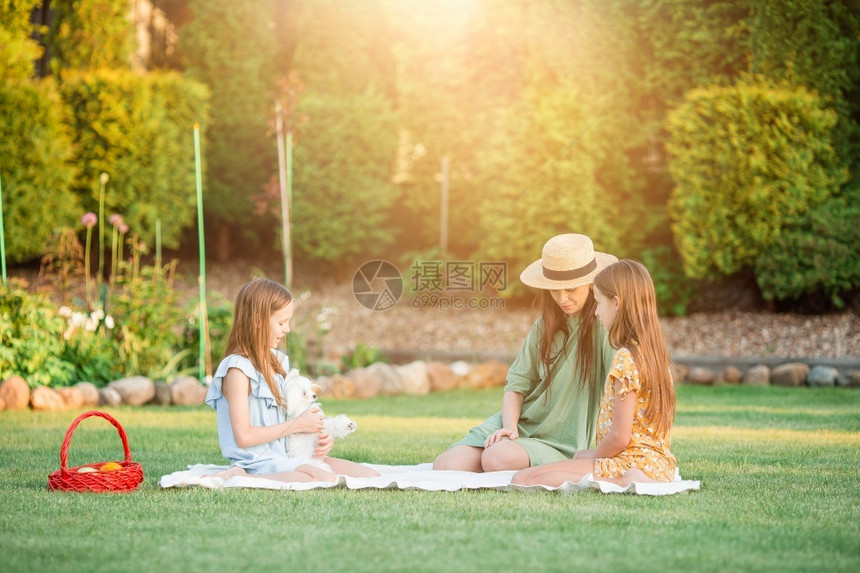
[(64, 450)]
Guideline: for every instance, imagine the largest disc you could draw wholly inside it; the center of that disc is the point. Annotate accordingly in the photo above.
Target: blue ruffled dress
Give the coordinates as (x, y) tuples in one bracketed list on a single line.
[(263, 411)]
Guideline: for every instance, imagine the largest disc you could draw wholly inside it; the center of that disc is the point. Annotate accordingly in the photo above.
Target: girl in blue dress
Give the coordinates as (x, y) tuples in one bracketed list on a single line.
[(247, 394)]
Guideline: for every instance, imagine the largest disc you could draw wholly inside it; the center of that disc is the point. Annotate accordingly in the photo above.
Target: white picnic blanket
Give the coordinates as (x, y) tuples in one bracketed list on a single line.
[(420, 476)]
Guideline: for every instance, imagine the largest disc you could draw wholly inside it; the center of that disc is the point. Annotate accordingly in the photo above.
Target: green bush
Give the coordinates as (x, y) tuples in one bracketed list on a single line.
[(230, 47), (35, 171), (148, 319), (18, 48), (562, 171), (746, 159), (343, 191), (817, 253), (90, 34), (92, 359), (31, 333), (674, 290), (139, 130), (360, 356)]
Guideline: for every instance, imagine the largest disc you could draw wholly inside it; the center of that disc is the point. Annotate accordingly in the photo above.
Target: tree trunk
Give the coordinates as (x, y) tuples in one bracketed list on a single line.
[(222, 249)]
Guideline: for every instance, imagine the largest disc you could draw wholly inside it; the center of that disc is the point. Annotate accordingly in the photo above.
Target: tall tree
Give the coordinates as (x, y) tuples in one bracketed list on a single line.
[(17, 49), (344, 151), (459, 72), (90, 34), (817, 45), (230, 47), (35, 148)]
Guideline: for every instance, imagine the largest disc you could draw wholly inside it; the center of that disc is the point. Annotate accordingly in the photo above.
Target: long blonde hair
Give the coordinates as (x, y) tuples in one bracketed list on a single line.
[(637, 328), (249, 335)]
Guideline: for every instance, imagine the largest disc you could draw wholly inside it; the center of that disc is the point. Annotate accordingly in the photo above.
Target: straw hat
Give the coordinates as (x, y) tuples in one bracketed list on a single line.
[(568, 261)]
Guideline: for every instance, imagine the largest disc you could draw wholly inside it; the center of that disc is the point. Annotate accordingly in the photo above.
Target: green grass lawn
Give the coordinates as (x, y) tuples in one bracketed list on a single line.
[(779, 472)]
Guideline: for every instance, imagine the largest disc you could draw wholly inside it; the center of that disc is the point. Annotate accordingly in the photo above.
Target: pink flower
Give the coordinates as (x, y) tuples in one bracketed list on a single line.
[(115, 219), (89, 220), (123, 228)]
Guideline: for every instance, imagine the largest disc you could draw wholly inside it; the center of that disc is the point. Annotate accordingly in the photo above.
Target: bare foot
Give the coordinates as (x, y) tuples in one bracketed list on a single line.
[(636, 475), (228, 473), (633, 475)]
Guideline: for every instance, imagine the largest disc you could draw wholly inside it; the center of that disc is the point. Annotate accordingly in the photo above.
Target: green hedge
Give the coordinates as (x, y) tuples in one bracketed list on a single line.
[(139, 130), (816, 254), (90, 34), (34, 167), (17, 48), (746, 159)]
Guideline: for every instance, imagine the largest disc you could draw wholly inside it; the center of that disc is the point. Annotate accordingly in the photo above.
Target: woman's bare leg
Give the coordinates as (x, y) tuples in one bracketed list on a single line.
[(554, 474), (348, 468), (504, 455), (460, 458)]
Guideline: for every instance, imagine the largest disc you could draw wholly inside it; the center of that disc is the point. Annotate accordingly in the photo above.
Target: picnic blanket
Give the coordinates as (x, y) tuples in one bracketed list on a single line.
[(420, 477)]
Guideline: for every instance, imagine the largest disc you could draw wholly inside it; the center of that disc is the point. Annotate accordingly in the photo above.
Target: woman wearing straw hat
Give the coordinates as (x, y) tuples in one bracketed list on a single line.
[(554, 386)]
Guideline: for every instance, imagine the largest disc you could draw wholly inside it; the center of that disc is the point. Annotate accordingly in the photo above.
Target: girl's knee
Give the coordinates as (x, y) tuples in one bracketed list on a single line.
[(317, 474)]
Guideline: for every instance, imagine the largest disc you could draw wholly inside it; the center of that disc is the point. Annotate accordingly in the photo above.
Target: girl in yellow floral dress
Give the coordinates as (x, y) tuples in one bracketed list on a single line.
[(638, 407)]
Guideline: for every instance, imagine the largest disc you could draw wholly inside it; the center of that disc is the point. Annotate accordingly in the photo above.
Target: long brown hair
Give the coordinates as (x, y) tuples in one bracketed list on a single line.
[(637, 328), (554, 321), (249, 336)]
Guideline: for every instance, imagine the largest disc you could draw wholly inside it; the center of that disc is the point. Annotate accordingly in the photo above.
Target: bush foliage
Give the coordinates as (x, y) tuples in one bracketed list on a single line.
[(90, 34), (31, 331), (342, 189), (496, 91), (229, 46), (17, 49), (746, 159), (139, 130), (816, 254), (35, 168)]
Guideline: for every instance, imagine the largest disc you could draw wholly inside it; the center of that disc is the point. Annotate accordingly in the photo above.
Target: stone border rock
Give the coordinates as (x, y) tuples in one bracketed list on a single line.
[(419, 377), (15, 394)]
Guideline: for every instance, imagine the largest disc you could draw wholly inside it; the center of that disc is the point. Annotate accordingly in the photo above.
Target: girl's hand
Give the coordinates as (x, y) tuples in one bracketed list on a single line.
[(311, 422), (324, 445), (498, 435)]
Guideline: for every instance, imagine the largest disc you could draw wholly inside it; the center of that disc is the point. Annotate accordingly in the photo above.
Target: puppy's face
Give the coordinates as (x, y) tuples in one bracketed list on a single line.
[(299, 394)]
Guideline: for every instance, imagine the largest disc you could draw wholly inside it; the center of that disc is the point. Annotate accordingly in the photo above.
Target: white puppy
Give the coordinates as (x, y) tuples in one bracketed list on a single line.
[(300, 395)]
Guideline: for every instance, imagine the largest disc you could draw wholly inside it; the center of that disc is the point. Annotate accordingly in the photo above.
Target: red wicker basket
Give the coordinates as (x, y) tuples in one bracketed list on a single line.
[(126, 478)]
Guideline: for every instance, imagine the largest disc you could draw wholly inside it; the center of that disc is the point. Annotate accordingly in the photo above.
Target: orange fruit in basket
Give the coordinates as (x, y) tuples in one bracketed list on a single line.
[(110, 467)]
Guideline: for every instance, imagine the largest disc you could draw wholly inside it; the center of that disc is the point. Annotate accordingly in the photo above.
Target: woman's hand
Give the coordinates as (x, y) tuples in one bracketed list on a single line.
[(310, 422), (498, 435), (324, 445)]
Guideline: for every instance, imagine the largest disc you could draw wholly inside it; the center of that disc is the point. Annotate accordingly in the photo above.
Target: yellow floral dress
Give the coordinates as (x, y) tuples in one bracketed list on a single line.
[(646, 451)]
